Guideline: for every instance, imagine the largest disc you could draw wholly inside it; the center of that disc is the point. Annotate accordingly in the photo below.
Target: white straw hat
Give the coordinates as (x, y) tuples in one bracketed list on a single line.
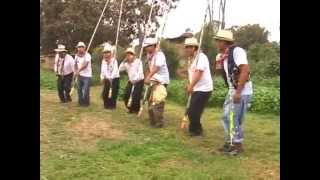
[(61, 48), (191, 42), (130, 50), (224, 35), (107, 47), (149, 42), (81, 44)]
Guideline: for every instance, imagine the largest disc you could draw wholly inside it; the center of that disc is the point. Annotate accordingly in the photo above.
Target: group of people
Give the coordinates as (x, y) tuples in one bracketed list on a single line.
[(231, 63)]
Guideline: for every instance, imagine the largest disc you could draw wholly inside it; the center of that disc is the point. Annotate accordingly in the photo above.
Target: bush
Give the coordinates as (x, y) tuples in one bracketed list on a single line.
[(265, 99), (48, 79), (264, 60), (172, 57)]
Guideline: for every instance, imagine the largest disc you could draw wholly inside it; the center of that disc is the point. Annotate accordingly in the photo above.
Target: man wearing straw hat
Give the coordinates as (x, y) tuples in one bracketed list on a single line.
[(109, 77), (63, 67), (133, 90), (84, 72), (158, 76), (235, 69), (200, 85)]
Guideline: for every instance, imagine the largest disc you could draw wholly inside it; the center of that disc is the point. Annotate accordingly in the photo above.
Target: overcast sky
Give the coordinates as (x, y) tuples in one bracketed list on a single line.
[(190, 14)]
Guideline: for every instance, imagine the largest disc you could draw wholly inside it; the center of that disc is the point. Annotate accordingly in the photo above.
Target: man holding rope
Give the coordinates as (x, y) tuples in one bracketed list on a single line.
[(109, 77), (200, 85), (235, 70), (84, 73), (63, 67), (158, 77), (133, 90)]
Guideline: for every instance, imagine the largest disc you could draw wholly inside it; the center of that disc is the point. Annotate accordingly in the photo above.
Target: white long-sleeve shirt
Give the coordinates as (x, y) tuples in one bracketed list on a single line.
[(68, 66), (109, 70), (134, 69)]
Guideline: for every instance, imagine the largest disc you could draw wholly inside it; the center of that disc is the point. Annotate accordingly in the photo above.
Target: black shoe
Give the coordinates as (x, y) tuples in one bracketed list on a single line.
[(235, 149), (192, 134), (158, 125), (225, 147)]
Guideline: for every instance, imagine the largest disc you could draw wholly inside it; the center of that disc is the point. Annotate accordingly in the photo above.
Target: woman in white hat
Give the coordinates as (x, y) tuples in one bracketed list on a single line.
[(109, 77), (235, 68), (133, 90), (84, 72), (200, 85), (63, 67)]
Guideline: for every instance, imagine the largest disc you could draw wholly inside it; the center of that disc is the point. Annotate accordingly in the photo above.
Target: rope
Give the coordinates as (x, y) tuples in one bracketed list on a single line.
[(145, 27), (95, 29), (118, 29)]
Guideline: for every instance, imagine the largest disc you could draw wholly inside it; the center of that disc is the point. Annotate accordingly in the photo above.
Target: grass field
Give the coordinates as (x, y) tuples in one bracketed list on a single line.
[(93, 143)]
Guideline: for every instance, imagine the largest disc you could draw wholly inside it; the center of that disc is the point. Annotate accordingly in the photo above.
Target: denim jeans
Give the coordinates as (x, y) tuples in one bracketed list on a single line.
[(239, 110), (84, 90)]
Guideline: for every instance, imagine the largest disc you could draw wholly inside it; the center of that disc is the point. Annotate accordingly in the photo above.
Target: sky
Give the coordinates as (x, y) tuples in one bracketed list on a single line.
[(190, 14)]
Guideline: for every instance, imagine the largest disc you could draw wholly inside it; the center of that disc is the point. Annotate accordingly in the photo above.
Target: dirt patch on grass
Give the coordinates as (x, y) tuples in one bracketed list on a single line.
[(91, 129), (173, 163), (262, 170)]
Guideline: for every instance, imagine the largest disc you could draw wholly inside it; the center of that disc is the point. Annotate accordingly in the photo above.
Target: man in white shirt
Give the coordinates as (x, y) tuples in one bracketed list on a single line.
[(84, 73), (133, 90), (157, 73), (235, 68), (63, 67), (200, 84), (109, 77)]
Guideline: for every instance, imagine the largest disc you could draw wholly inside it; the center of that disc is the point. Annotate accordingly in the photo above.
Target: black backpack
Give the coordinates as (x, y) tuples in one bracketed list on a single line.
[(233, 70)]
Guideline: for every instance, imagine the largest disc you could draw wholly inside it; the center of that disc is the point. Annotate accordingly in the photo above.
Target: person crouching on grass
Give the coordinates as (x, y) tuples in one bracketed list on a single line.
[(200, 85), (109, 77), (133, 90)]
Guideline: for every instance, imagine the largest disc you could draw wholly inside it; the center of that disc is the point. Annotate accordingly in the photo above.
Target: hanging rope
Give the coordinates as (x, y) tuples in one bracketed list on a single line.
[(118, 29), (145, 27), (95, 29)]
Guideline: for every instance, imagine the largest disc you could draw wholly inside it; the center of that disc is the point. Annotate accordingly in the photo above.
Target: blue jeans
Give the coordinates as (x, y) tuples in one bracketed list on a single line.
[(84, 90), (239, 110)]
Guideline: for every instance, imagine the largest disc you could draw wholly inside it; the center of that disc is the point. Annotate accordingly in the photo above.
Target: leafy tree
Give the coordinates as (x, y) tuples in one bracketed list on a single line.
[(247, 35), (71, 21), (264, 60)]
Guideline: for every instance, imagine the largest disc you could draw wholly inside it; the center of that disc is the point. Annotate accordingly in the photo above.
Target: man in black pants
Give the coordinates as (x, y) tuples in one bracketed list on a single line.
[(109, 77), (133, 91), (200, 85), (63, 67)]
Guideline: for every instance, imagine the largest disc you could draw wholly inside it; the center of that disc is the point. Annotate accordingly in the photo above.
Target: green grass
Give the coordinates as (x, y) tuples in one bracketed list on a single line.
[(127, 148)]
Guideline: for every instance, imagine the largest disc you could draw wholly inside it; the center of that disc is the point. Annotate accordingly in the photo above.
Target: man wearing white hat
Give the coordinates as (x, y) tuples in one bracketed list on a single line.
[(109, 77), (158, 73), (235, 69), (133, 90), (84, 72), (200, 84), (63, 67)]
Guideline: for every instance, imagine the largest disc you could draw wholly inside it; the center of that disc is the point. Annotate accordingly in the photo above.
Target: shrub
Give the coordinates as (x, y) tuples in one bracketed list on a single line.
[(172, 57), (48, 79)]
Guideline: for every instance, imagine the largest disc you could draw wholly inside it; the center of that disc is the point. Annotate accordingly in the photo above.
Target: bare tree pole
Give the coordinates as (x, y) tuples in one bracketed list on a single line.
[(223, 14)]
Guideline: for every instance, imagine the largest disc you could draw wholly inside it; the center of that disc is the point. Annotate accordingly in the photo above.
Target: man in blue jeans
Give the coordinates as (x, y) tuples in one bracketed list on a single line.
[(84, 73), (233, 63)]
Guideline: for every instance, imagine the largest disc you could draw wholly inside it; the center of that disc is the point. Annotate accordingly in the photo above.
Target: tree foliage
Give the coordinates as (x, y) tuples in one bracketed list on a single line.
[(247, 35), (70, 21)]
